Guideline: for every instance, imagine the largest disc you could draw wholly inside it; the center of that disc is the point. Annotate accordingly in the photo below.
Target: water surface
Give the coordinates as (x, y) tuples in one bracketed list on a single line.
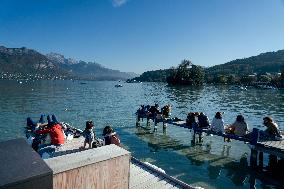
[(210, 164)]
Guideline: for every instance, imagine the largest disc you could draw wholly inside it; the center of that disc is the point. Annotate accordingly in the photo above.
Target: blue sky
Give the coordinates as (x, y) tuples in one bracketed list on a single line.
[(143, 35)]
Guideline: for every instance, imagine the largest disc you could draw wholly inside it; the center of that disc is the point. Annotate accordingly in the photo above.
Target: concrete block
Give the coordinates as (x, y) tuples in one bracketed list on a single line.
[(22, 168)]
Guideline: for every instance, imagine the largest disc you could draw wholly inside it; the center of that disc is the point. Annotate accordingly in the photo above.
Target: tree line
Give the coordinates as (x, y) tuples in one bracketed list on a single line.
[(187, 73)]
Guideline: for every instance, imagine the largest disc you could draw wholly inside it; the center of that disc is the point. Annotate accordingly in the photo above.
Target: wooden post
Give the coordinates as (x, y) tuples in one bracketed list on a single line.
[(200, 137), (272, 164), (164, 125), (193, 138), (255, 135), (137, 121), (281, 164), (260, 160), (252, 181), (253, 158)]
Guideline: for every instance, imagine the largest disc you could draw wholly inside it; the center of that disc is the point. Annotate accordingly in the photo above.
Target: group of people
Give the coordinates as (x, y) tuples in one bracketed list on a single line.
[(239, 127), (151, 112), (196, 119), (56, 131)]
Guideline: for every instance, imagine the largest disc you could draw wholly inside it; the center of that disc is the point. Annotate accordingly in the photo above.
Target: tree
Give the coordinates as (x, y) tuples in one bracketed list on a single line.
[(187, 74)]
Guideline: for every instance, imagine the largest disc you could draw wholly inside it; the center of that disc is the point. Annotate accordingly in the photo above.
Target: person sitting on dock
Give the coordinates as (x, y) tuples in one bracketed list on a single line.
[(203, 121), (190, 120), (217, 124), (272, 129), (110, 137), (89, 134), (166, 111), (141, 112), (239, 127), (153, 111)]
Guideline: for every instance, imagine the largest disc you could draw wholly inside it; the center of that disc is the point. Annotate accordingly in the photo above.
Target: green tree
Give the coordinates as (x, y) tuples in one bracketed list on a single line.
[(187, 74)]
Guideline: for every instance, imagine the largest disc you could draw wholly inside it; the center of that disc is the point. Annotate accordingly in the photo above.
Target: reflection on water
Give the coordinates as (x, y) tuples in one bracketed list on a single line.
[(211, 163)]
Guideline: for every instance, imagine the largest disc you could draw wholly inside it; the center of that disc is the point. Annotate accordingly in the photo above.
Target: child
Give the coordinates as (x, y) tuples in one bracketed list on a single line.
[(89, 134)]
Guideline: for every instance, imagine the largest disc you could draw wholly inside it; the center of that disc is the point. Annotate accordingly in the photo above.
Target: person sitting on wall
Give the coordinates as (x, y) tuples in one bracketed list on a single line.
[(32, 125), (110, 137), (239, 127), (89, 134), (55, 131)]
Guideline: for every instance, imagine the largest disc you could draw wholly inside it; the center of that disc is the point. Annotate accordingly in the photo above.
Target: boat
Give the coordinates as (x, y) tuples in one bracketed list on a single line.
[(118, 85)]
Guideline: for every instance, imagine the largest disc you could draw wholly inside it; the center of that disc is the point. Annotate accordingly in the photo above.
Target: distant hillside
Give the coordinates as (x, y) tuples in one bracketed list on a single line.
[(25, 61), (271, 62), (154, 76)]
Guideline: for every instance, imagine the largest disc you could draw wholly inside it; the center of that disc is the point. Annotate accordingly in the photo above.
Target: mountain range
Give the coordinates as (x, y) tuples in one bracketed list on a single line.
[(28, 61)]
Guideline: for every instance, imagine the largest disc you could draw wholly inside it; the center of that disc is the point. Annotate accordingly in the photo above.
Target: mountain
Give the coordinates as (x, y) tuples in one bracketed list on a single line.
[(88, 70), (28, 61), (270, 62), (60, 59)]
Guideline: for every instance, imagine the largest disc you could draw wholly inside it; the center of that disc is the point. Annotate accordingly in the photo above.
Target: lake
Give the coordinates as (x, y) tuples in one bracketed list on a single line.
[(210, 164)]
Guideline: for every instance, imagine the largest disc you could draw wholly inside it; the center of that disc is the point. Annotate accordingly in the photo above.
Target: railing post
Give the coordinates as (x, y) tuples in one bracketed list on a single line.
[(253, 158), (254, 136), (260, 160)]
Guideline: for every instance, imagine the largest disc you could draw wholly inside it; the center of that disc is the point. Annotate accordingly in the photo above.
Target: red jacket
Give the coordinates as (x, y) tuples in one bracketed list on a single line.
[(55, 132)]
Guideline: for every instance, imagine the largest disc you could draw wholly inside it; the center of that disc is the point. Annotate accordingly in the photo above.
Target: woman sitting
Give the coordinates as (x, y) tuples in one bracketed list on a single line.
[(272, 129), (239, 127), (217, 124), (110, 137)]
